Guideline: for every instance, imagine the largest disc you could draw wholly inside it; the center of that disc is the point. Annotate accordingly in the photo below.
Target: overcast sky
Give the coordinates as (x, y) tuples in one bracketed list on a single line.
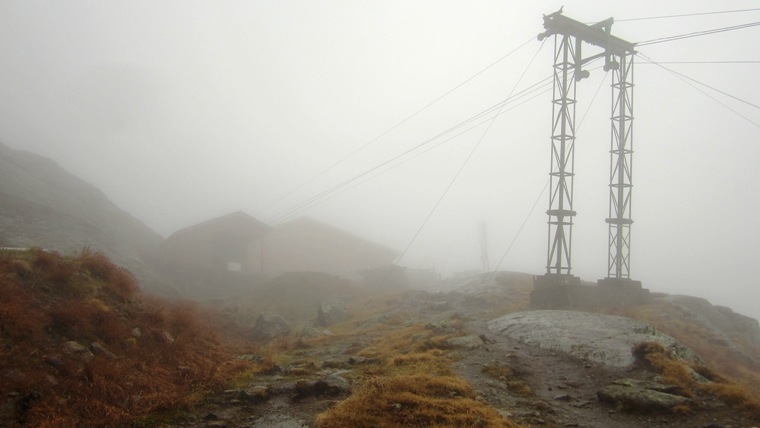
[(181, 111)]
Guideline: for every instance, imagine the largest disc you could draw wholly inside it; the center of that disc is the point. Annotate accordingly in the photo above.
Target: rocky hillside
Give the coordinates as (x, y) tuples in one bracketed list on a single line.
[(80, 346), (43, 205), (443, 359)]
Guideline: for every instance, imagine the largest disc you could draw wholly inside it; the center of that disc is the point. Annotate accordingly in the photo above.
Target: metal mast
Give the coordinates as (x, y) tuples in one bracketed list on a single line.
[(568, 70), (558, 260), (621, 158), (558, 287), (486, 264)]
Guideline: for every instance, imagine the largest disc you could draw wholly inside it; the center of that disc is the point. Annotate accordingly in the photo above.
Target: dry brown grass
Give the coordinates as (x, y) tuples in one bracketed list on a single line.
[(413, 401), (654, 356), (681, 325), (414, 384), (47, 300), (509, 376)]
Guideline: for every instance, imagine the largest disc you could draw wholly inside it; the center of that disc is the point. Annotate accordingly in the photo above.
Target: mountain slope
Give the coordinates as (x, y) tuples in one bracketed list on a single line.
[(43, 205)]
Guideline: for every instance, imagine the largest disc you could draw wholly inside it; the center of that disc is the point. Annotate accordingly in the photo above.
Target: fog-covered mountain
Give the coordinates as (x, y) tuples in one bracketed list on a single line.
[(43, 205)]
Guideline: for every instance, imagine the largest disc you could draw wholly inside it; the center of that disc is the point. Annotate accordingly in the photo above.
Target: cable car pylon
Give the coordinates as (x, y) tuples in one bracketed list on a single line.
[(558, 287)]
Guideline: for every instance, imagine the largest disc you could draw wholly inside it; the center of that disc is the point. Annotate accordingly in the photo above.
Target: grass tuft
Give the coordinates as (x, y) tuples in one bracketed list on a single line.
[(509, 376), (413, 400), (414, 384)]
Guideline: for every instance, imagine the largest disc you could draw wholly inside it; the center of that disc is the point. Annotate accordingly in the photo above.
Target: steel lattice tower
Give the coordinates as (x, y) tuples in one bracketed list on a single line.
[(569, 36), (621, 163), (558, 260)]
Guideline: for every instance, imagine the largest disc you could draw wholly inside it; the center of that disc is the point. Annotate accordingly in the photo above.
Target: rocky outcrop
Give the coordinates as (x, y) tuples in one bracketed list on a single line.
[(270, 325), (600, 338), (332, 312), (331, 385)]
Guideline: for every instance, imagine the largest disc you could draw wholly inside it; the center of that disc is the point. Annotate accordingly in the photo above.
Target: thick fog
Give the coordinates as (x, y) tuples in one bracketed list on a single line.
[(181, 111)]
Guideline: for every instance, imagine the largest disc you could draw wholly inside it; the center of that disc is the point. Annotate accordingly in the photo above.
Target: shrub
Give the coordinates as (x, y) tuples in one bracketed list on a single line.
[(17, 321), (119, 281)]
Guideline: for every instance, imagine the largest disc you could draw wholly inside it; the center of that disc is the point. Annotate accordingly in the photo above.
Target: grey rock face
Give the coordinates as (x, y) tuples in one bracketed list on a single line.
[(270, 325), (331, 312), (601, 338)]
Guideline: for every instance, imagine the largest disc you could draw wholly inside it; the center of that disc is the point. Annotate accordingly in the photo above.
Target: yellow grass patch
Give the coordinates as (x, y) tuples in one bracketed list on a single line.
[(413, 386), (679, 373), (678, 323), (413, 400)]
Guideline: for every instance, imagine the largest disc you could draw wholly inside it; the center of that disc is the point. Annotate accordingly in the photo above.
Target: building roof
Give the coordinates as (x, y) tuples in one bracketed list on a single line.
[(308, 226), (239, 222)]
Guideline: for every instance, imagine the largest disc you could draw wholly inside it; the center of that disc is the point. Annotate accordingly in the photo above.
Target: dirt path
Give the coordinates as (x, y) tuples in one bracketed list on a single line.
[(562, 389)]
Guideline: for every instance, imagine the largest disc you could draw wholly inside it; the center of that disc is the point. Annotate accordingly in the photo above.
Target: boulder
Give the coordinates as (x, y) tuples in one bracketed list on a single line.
[(327, 386), (75, 348), (167, 337), (642, 395), (332, 385), (331, 312), (270, 325), (470, 342), (98, 348)]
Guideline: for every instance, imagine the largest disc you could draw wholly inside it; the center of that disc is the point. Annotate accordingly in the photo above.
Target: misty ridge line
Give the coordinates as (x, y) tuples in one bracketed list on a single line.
[(389, 130)]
